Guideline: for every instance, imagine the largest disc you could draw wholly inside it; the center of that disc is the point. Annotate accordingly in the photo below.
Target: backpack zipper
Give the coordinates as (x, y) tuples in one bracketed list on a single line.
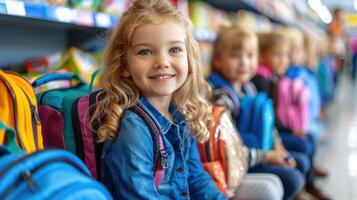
[(27, 175), (15, 109), (35, 119)]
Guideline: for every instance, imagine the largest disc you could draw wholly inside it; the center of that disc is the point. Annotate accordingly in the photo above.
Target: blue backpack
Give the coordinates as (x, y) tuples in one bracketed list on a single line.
[(257, 117), (50, 174)]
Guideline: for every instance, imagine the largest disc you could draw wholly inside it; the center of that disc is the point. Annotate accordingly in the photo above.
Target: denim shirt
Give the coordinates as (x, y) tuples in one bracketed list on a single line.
[(127, 161)]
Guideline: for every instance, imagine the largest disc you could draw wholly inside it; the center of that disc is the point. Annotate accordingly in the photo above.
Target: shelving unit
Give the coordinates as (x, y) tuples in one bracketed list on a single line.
[(302, 18), (11, 10), (236, 5), (33, 30)]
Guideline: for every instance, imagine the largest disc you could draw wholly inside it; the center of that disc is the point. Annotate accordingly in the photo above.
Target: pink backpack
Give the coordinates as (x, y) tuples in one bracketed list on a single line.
[(293, 104)]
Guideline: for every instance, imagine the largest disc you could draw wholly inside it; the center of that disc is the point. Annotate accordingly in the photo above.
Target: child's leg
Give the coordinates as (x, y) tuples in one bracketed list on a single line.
[(260, 187), (302, 145), (297, 144), (292, 179), (302, 161)]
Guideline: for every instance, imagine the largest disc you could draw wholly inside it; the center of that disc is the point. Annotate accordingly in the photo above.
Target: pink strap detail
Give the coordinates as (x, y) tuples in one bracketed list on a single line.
[(159, 171), (264, 71)]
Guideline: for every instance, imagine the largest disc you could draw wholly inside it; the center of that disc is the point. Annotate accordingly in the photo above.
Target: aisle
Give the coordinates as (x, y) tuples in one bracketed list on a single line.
[(338, 152)]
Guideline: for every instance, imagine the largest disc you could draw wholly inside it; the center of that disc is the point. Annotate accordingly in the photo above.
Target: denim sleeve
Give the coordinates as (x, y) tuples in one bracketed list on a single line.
[(128, 162), (200, 183)]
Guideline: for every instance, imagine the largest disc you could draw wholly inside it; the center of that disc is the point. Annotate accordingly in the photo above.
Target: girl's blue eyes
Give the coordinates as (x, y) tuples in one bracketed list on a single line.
[(175, 50), (147, 52)]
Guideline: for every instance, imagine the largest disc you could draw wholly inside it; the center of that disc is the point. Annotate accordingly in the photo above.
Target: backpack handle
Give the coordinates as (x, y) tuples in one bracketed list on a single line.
[(10, 133), (94, 75), (55, 77)]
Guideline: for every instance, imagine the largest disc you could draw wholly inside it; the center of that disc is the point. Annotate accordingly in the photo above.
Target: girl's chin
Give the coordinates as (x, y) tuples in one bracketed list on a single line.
[(245, 79)]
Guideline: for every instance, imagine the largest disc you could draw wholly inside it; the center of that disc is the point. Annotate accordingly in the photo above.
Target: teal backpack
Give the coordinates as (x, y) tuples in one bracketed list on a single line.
[(257, 117), (55, 110)]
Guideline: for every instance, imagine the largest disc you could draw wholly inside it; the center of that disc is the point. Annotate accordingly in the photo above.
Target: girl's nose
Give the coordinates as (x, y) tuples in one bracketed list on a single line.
[(244, 61), (162, 61)]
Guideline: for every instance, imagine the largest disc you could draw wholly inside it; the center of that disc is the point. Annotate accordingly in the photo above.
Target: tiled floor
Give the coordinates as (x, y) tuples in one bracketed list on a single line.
[(338, 151)]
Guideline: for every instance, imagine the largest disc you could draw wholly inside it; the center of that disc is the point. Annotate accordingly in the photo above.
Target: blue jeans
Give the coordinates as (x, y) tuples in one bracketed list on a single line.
[(354, 65), (302, 161), (292, 179), (306, 146)]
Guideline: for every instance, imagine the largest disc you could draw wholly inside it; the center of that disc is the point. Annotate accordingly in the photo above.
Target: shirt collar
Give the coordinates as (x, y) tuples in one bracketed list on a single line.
[(163, 123)]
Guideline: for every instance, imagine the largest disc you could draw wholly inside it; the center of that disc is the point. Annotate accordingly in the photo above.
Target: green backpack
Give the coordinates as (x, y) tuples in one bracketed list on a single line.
[(55, 110)]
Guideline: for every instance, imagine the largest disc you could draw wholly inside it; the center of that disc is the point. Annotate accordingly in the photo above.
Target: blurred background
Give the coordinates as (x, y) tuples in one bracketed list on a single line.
[(42, 36)]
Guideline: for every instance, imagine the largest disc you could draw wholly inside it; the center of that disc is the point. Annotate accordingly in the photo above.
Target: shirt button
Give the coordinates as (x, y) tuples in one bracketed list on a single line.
[(184, 193), (179, 169)]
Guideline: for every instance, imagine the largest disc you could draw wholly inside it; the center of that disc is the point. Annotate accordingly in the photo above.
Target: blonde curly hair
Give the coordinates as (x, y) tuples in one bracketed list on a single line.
[(121, 93)]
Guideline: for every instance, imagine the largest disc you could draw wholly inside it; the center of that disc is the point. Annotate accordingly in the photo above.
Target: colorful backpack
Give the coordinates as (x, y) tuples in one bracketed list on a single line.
[(50, 174), (311, 83), (18, 108), (89, 150), (222, 155), (293, 104), (257, 117), (55, 110)]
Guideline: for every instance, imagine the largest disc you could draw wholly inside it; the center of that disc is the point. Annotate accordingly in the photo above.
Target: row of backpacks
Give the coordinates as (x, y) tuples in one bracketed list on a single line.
[(30, 123), (60, 119)]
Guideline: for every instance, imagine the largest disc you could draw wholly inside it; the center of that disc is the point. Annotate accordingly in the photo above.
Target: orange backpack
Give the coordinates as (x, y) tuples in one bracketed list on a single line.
[(222, 155), (18, 109)]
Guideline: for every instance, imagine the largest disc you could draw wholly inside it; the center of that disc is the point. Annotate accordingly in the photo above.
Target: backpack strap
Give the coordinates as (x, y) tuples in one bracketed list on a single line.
[(98, 147), (250, 89), (160, 154), (234, 97)]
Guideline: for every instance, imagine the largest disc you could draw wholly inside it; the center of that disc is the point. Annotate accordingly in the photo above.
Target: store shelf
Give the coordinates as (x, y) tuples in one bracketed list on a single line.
[(236, 5), (11, 10)]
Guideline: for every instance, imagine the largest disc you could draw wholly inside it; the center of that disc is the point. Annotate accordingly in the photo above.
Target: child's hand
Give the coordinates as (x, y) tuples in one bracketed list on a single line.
[(289, 160), (280, 158), (280, 147), (275, 157), (299, 133)]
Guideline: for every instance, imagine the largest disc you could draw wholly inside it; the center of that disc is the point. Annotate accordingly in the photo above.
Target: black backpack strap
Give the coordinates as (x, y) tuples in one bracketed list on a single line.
[(77, 129), (98, 147)]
